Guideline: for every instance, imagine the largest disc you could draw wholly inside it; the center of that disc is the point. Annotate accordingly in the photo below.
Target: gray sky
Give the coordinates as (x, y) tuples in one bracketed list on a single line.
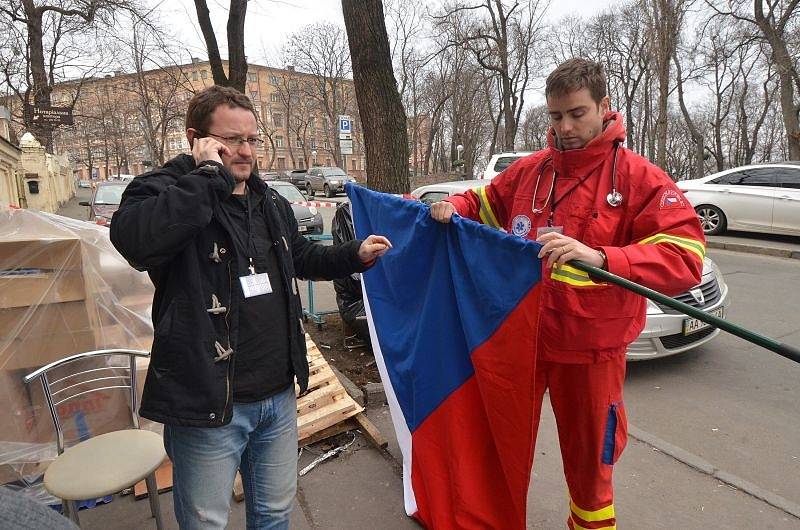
[(270, 22)]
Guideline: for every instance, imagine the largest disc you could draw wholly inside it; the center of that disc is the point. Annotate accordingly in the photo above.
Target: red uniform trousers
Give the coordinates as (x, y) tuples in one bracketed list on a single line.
[(592, 432)]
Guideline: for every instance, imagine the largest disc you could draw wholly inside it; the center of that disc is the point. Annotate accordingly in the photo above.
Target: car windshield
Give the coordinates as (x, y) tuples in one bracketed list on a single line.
[(335, 172), (504, 161), (290, 193), (109, 194)]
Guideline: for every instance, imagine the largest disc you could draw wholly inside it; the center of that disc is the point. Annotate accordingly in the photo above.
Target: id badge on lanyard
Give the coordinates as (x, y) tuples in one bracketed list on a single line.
[(255, 284)]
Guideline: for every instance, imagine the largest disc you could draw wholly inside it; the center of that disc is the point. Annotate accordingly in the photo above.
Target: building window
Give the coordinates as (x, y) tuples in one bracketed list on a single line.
[(194, 75), (328, 161), (327, 143), (354, 164), (275, 97), (281, 163), (299, 143), (252, 76), (274, 79), (313, 143), (204, 74), (279, 141), (254, 95), (301, 164), (277, 120), (313, 124)]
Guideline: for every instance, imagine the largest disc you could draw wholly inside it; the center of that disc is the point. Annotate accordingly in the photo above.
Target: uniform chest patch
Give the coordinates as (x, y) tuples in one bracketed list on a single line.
[(671, 199), (521, 225)]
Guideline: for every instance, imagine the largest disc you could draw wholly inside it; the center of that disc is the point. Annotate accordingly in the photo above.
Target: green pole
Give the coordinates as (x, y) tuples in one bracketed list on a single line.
[(785, 350)]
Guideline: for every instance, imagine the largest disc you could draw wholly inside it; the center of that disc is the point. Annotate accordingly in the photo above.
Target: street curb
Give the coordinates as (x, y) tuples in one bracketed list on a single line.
[(375, 394), (350, 387), (703, 466), (753, 249)]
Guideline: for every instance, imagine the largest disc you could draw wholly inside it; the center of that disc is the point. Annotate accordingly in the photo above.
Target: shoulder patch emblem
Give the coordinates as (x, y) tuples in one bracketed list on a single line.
[(521, 225), (671, 199)]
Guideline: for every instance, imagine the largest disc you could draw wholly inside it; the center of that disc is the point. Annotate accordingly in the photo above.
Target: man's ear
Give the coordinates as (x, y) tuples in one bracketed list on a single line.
[(605, 105), (191, 134)]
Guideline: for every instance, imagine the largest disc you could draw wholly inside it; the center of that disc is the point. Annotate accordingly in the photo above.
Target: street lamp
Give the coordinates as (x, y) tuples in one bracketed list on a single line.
[(314, 154), (459, 149)]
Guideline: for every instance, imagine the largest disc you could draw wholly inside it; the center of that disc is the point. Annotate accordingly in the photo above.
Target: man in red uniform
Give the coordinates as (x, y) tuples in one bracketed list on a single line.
[(587, 197)]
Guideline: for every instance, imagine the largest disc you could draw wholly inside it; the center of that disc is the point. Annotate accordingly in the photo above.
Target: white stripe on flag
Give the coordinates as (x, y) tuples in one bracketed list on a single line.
[(400, 425)]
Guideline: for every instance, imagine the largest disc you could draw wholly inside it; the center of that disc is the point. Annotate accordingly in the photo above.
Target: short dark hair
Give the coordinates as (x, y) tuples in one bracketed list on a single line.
[(575, 74), (202, 104)]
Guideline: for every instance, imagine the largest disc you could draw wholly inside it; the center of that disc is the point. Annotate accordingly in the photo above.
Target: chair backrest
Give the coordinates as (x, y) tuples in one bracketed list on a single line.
[(84, 373)]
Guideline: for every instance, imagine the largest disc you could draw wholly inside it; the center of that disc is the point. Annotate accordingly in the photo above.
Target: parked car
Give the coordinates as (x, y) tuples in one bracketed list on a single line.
[(84, 183), (666, 331), (294, 176), (268, 175), (105, 200), (500, 161), (309, 219), (329, 180), (758, 198), (436, 192)]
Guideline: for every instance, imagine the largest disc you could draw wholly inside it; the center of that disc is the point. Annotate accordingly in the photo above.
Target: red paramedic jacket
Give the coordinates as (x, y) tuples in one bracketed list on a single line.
[(653, 238)]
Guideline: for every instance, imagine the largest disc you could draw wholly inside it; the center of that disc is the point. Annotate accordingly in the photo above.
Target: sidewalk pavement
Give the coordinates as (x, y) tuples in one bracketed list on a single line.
[(362, 489), (764, 244)]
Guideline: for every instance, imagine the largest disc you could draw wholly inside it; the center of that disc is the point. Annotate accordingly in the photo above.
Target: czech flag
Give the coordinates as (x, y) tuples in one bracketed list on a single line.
[(453, 311)]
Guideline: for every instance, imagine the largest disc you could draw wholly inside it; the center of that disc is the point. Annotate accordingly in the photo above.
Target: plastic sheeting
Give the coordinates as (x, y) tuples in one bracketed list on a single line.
[(64, 289)]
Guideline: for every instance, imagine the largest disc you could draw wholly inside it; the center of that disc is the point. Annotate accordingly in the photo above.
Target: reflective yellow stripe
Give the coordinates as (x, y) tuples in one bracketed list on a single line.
[(597, 515), (568, 274), (576, 526), (691, 245), (486, 213)]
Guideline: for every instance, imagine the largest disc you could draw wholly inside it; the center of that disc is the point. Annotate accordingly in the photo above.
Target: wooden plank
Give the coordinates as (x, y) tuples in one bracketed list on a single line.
[(333, 430), (163, 481), (370, 431), (238, 488), (324, 417), (318, 399)]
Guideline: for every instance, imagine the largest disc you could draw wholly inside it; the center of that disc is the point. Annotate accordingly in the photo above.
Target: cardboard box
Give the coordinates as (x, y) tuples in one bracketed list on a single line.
[(47, 253), (41, 288)]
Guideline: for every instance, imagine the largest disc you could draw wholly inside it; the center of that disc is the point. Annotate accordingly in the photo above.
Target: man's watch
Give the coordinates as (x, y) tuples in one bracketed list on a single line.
[(604, 265)]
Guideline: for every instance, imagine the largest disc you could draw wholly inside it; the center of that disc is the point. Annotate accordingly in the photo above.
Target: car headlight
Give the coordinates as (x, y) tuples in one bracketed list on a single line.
[(718, 274), (334, 182), (652, 308), (313, 210)]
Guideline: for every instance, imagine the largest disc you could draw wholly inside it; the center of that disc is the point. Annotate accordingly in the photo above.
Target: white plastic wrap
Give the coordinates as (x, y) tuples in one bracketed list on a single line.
[(64, 289)]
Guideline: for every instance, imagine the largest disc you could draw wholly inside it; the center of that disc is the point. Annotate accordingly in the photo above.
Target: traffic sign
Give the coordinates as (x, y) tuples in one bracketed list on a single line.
[(346, 146), (345, 125)]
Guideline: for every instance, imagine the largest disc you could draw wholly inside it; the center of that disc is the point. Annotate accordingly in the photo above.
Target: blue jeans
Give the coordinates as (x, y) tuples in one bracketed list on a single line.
[(261, 440)]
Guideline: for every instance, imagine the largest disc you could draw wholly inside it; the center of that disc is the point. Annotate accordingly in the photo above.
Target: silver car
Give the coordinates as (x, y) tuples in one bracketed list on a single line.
[(759, 198), (666, 331), (329, 180)]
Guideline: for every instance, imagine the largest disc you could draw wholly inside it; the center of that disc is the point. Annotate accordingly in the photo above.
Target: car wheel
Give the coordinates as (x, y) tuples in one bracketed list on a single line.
[(712, 220), (328, 192), (309, 189)]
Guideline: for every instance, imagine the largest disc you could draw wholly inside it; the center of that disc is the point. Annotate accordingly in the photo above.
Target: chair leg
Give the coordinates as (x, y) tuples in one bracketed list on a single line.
[(152, 495), (70, 509)]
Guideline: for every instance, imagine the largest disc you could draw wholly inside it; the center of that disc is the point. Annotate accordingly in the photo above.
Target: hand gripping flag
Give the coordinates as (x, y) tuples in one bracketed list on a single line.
[(453, 310)]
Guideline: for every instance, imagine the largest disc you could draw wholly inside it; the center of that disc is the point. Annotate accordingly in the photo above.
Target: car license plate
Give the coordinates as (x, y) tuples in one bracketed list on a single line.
[(693, 325), (302, 228)]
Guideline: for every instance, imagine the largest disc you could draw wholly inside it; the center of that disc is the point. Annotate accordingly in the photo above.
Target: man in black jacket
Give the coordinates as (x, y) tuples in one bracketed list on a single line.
[(223, 252)]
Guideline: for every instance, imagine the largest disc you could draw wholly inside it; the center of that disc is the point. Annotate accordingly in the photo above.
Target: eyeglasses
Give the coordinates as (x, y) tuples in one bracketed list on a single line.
[(237, 141)]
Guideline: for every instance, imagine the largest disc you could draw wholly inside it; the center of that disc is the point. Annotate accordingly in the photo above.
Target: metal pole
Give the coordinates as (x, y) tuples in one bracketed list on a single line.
[(785, 350)]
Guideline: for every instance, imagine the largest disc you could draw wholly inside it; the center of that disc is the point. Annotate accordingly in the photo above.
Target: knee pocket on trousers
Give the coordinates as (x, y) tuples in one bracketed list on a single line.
[(616, 433)]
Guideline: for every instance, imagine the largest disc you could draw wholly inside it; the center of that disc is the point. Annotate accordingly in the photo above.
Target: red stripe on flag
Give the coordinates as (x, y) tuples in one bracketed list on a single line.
[(472, 456)]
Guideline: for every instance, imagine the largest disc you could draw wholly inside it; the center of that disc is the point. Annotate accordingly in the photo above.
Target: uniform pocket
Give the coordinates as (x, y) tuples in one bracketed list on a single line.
[(616, 434)]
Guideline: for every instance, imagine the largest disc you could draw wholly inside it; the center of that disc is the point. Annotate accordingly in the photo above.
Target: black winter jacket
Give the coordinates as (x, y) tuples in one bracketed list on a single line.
[(169, 224)]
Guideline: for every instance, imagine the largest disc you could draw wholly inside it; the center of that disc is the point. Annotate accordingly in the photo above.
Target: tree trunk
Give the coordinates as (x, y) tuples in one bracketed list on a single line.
[(697, 136), (379, 103), (41, 87), (237, 60)]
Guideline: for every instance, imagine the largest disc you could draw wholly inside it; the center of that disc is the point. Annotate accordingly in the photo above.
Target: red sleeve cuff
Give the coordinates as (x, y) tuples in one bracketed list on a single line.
[(617, 262)]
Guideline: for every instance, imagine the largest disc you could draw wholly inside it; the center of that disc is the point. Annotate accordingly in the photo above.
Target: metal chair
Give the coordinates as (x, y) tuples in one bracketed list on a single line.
[(108, 463)]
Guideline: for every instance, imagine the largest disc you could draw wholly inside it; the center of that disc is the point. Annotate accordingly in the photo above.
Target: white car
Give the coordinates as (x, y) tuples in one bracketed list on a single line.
[(759, 198), (666, 331), (501, 161)]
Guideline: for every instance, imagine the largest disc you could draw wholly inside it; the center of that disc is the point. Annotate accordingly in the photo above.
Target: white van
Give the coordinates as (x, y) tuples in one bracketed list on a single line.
[(500, 161)]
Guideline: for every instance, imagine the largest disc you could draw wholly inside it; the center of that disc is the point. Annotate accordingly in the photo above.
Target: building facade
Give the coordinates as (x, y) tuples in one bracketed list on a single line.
[(127, 123)]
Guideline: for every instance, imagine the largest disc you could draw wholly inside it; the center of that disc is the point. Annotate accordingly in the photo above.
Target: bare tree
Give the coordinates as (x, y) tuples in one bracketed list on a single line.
[(383, 117), (777, 22), (501, 36), (237, 61), (322, 51), (44, 39)]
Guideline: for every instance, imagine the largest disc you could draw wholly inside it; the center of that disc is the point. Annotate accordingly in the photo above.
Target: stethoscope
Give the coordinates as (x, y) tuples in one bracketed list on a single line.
[(614, 198)]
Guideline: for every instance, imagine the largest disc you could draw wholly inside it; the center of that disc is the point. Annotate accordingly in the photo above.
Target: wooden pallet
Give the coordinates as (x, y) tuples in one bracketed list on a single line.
[(326, 403)]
